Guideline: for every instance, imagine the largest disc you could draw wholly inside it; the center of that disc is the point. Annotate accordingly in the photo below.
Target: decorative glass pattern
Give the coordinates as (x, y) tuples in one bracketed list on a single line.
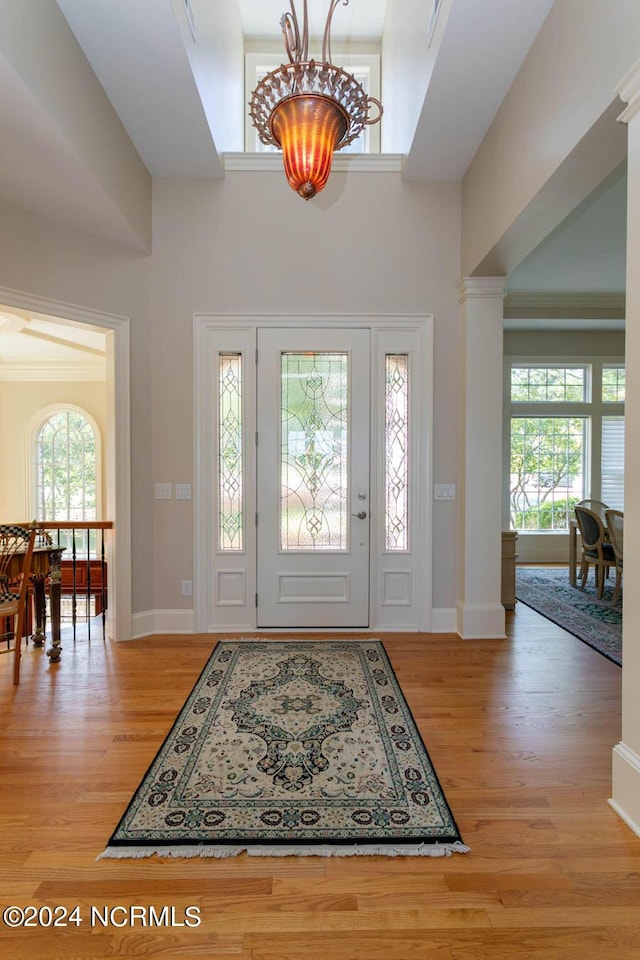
[(396, 471), (613, 384), (230, 465), (314, 454), (548, 384)]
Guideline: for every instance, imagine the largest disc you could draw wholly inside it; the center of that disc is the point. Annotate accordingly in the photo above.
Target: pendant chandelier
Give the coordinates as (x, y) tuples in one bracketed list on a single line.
[(309, 109)]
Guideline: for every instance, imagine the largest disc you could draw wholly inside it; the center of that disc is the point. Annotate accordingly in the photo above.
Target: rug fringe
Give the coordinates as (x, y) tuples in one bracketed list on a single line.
[(336, 850)]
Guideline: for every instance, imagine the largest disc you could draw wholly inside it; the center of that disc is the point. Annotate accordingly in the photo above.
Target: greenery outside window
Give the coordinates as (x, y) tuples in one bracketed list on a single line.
[(566, 440), (67, 472), (547, 470), (613, 384)]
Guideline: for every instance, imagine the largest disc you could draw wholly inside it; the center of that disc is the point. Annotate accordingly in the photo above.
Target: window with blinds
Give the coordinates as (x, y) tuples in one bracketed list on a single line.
[(612, 484)]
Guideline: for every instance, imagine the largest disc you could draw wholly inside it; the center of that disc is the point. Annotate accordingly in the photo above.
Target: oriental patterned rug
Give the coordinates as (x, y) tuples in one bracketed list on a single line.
[(291, 748), (596, 622)]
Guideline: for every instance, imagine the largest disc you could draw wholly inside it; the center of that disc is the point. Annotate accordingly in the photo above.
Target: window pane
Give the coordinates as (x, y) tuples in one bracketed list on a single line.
[(612, 489), (548, 384), (66, 468), (230, 467), (396, 473), (313, 463), (613, 383), (547, 471)]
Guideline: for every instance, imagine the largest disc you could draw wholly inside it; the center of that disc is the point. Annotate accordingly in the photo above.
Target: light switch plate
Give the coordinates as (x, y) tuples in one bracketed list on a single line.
[(183, 491), (163, 491), (444, 491)]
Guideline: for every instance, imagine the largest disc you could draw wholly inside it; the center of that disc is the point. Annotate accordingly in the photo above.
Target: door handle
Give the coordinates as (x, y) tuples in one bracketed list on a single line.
[(361, 515)]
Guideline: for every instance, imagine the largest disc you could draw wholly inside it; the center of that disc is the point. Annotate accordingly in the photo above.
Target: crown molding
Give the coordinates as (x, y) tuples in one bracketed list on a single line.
[(77, 370), (351, 162), (629, 91), (481, 288), (565, 306)]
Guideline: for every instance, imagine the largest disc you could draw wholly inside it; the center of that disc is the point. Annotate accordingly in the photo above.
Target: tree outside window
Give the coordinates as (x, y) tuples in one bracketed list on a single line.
[(567, 440), (547, 471), (67, 469)]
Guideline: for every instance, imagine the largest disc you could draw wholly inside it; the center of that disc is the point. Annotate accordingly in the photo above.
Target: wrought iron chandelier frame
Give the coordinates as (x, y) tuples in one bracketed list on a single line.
[(303, 77)]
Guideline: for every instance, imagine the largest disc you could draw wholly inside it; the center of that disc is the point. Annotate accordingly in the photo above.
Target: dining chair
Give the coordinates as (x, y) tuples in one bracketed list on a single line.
[(598, 506), (16, 550), (615, 525), (596, 548)]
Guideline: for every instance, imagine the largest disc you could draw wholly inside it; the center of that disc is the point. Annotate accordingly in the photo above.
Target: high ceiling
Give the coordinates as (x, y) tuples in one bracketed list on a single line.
[(165, 73), (172, 72), (360, 20)]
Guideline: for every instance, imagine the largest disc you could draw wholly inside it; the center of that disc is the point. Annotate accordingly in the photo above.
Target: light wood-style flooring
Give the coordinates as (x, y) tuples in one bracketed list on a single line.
[(520, 732)]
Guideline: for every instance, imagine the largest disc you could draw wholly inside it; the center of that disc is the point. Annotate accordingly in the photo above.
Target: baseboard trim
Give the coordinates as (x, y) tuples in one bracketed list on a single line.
[(162, 621), (444, 620), (626, 786), (480, 621), (149, 622)]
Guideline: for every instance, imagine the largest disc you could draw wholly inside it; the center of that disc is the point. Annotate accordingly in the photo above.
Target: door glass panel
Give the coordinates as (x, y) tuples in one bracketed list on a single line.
[(396, 465), (314, 451), (230, 529)]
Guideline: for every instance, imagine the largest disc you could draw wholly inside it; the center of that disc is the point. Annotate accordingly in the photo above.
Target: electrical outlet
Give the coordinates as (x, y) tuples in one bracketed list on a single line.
[(187, 588)]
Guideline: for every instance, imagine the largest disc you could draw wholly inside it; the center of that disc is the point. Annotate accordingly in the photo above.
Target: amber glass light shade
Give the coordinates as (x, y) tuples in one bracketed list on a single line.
[(308, 128)]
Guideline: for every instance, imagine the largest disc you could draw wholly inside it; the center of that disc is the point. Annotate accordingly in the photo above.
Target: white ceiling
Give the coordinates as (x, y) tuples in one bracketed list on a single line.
[(143, 54), (32, 343), (586, 252), (166, 91), (360, 20)]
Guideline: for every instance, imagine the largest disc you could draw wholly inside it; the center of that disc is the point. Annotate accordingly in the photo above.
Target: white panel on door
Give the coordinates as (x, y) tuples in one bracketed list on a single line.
[(313, 477), (313, 588)]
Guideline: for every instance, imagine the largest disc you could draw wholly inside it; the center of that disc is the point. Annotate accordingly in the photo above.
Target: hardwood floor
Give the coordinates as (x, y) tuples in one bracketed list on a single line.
[(520, 732)]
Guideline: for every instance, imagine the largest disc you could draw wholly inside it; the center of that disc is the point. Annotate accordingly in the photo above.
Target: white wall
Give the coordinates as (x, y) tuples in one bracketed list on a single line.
[(43, 258), (368, 244), (53, 106), (565, 85)]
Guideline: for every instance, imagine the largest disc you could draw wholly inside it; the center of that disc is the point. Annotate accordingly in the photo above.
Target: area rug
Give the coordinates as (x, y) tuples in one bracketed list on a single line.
[(297, 747), (596, 622)]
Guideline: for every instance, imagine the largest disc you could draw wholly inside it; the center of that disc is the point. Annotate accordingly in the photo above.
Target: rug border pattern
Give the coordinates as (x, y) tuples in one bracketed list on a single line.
[(587, 632), (442, 840)]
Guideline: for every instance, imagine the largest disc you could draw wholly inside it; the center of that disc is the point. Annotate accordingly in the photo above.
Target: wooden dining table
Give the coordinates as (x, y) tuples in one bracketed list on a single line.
[(45, 576)]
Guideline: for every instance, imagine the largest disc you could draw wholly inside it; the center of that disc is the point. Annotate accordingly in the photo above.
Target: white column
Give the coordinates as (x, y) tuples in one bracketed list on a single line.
[(479, 609), (626, 755)]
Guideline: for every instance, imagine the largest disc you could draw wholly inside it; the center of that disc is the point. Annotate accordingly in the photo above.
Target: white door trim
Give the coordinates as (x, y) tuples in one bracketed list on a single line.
[(117, 447), (400, 583)]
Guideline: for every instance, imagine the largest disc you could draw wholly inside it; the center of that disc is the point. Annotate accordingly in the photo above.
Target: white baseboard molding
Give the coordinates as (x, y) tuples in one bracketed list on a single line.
[(626, 786), (444, 620), (161, 621), (480, 621)]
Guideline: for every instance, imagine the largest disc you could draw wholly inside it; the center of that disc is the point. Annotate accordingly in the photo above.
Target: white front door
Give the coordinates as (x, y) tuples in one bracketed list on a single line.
[(313, 476)]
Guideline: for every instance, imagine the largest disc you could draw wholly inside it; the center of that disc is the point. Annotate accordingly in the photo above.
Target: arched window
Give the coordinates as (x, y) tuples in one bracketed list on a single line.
[(67, 466)]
